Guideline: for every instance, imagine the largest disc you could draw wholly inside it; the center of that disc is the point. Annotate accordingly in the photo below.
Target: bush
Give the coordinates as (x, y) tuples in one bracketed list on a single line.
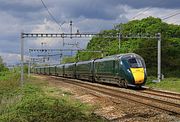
[(8, 81), (36, 106)]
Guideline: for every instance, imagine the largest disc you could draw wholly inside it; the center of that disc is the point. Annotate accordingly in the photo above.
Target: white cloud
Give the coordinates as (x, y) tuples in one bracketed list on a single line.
[(12, 58)]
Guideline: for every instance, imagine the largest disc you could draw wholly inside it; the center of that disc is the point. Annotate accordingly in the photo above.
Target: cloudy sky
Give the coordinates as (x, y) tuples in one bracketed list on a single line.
[(18, 16)]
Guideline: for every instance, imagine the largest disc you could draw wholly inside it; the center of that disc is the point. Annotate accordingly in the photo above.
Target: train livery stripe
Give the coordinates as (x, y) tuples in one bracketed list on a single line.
[(138, 74)]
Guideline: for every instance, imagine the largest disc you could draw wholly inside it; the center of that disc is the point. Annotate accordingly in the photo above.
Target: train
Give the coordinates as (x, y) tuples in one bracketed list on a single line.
[(122, 69)]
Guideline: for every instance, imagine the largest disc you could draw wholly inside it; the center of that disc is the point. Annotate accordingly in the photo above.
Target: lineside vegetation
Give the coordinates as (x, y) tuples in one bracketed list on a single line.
[(169, 84), (37, 102)]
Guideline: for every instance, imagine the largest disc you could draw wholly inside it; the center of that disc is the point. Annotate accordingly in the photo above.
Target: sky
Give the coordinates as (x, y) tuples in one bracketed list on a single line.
[(18, 16)]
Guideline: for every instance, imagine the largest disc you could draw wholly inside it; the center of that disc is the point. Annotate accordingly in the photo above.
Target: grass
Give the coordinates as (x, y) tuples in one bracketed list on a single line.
[(9, 80), (37, 102), (170, 84), (9, 83)]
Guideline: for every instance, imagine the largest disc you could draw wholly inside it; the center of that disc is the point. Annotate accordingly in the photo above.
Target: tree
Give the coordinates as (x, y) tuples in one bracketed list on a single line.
[(1, 60), (2, 66), (68, 60), (147, 48)]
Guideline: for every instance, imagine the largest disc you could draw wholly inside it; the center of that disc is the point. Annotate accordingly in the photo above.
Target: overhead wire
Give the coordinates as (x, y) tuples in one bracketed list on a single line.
[(141, 12), (144, 10), (163, 47), (171, 15), (163, 16), (51, 15)]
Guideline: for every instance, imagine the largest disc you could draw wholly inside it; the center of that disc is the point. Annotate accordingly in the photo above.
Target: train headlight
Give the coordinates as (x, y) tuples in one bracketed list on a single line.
[(121, 63), (128, 70), (145, 71)]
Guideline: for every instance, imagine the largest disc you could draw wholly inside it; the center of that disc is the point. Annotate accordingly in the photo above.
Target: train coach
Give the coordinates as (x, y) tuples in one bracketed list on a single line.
[(85, 70), (123, 69), (60, 70), (70, 70)]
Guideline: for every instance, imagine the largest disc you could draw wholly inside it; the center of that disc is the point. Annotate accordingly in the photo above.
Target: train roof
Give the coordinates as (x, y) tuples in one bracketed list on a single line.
[(44, 66), (69, 64), (84, 62), (130, 55), (113, 56), (60, 65), (120, 55), (117, 56)]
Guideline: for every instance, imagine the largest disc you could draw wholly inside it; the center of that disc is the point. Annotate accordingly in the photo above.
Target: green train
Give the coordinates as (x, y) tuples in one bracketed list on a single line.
[(123, 69)]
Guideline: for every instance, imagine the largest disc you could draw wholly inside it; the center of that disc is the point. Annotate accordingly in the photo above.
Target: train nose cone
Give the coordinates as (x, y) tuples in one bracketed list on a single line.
[(138, 74)]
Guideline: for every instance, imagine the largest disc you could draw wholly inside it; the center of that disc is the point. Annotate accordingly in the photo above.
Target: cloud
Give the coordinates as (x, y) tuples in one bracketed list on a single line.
[(20, 6), (12, 58), (138, 4), (87, 16)]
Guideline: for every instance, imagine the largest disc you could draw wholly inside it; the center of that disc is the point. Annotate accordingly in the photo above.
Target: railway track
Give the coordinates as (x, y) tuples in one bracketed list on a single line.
[(170, 95), (146, 98)]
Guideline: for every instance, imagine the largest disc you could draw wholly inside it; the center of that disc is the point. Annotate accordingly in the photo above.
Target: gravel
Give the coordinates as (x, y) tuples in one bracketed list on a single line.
[(113, 109)]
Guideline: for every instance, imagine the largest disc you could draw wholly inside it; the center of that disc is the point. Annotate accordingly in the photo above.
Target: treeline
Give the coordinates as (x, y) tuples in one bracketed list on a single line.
[(147, 48)]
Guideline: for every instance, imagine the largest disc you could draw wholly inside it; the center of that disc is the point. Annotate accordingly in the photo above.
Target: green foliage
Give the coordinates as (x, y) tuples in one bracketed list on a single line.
[(9, 83), (33, 104), (9, 80), (68, 59), (170, 84), (25, 68), (147, 48), (2, 66), (83, 56)]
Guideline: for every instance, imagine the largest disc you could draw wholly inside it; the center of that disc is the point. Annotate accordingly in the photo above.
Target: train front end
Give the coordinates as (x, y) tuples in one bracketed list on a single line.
[(135, 69)]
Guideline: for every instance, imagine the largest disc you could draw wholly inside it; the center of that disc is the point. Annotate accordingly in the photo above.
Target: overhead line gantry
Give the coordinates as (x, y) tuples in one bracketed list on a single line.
[(71, 35)]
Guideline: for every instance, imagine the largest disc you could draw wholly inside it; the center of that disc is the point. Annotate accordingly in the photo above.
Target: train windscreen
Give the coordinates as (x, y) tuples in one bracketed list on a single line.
[(135, 62)]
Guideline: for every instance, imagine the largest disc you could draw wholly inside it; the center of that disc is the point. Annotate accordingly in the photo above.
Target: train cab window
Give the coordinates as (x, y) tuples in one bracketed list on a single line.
[(135, 62)]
